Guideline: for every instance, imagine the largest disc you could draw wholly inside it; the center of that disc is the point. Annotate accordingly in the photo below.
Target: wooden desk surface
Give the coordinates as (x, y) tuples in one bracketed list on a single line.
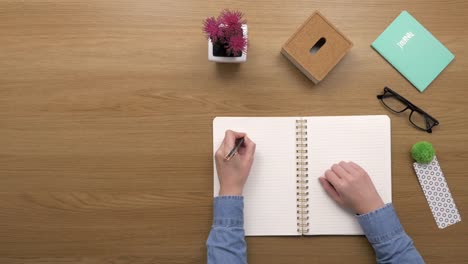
[(106, 112)]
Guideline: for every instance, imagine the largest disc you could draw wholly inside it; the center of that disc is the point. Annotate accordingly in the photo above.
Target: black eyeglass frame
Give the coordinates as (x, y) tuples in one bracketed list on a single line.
[(410, 106)]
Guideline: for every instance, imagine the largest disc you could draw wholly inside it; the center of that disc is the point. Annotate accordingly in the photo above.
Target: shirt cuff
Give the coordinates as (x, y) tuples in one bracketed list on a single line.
[(228, 211), (381, 225)]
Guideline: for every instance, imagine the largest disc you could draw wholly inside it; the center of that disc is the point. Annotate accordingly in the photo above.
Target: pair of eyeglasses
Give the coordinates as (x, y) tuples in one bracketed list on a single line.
[(398, 104)]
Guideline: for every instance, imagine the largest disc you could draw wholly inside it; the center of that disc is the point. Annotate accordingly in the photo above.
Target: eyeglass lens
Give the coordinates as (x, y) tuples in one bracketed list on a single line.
[(393, 103), (420, 120)]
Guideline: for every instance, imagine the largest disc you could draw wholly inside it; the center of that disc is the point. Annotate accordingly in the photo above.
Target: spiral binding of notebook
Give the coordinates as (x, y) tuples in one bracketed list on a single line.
[(302, 177)]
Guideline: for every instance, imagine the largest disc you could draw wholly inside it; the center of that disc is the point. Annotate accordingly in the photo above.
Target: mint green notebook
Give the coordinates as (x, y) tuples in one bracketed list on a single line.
[(413, 50)]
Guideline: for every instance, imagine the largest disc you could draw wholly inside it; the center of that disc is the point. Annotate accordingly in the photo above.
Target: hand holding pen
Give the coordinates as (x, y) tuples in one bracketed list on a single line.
[(233, 152), (234, 159)]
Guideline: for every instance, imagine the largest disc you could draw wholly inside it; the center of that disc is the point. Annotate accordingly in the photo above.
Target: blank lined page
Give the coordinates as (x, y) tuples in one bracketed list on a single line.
[(364, 140), (270, 191)]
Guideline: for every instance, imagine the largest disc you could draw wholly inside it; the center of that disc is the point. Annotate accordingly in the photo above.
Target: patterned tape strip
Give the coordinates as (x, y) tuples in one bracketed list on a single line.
[(437, 193)]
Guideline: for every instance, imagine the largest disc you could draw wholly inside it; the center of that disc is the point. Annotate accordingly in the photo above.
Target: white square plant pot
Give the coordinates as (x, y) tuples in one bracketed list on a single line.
[(241, 59)]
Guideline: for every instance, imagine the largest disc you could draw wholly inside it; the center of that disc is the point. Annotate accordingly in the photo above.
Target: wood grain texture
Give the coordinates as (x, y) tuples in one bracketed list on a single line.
[(106, 112)]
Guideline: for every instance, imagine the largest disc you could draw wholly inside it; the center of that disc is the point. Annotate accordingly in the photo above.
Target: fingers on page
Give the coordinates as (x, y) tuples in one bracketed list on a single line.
[(348, 167), (332, 178), (357, 167), (330, 190), (339, 171)]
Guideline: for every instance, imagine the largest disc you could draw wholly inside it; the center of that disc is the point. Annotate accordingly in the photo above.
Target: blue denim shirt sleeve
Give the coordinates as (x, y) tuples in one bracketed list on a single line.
[(226, 242), (386, 235)]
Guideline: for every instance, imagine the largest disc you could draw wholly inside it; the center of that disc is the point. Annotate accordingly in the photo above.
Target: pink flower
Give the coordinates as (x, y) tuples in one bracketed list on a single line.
[(232, 31), (212, 29), (231, 22), (236, 45), (227, 30), (231, 18)]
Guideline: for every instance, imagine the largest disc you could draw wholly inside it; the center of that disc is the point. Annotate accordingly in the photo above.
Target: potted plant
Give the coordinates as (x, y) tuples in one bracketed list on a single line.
[(227, 37)]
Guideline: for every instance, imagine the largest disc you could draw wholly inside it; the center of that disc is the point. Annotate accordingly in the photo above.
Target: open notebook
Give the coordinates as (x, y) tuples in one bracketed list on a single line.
[(282, 195)]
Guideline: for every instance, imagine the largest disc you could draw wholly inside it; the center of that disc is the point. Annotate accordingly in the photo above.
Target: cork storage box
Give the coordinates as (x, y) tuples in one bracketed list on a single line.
[(316, 47)]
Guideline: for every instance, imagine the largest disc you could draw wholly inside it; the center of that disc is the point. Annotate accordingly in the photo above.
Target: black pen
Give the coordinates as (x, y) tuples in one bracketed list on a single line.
[(233, 152)]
